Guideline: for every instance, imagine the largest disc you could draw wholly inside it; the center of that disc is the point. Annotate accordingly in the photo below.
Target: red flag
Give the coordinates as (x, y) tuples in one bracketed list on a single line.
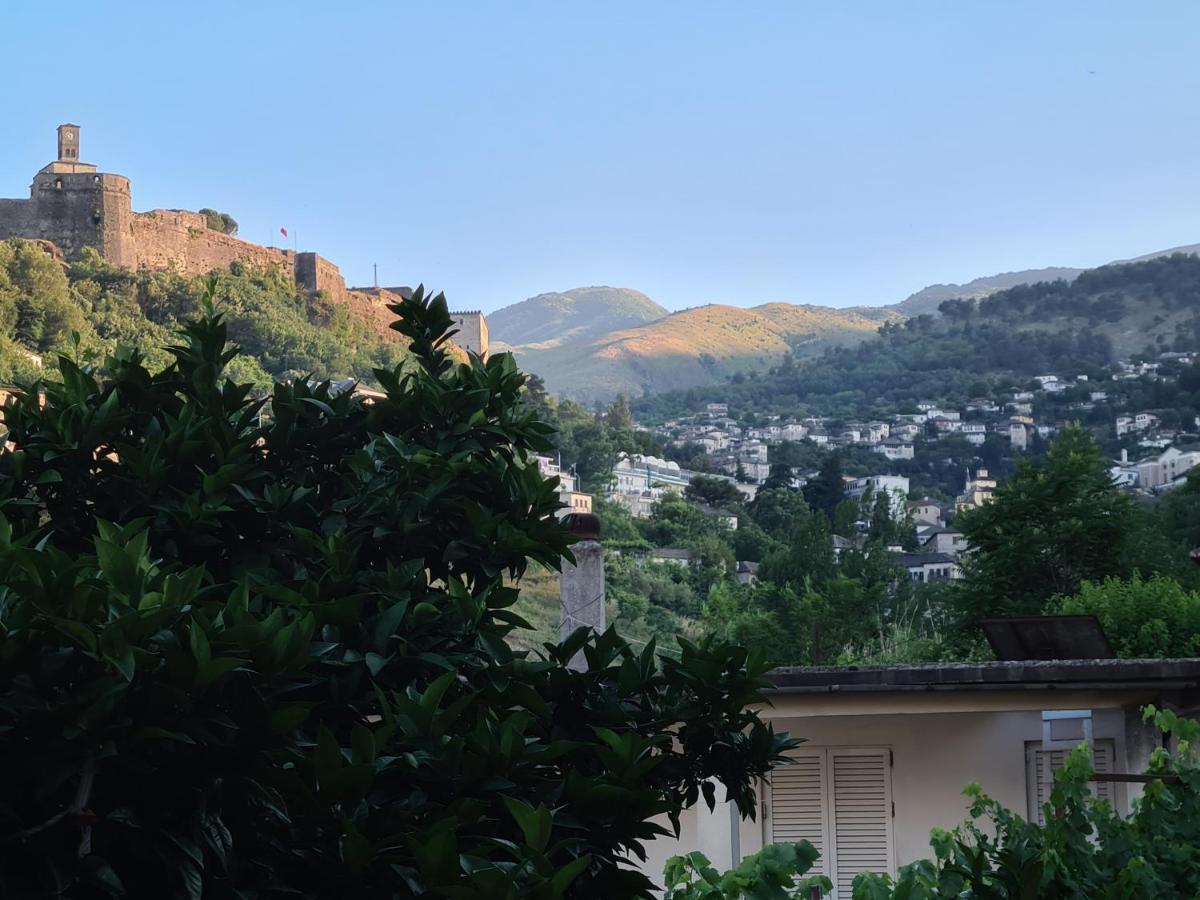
[(283, 231)]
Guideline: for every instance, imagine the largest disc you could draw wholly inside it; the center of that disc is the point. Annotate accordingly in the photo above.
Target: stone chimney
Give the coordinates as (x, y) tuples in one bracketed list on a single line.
[(581, 586)]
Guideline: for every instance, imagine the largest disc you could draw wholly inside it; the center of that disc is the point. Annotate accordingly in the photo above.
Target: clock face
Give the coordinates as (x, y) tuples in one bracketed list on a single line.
[(67, 135)]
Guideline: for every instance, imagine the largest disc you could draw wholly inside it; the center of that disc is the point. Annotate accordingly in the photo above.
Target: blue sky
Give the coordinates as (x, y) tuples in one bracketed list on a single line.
[(834, 153)]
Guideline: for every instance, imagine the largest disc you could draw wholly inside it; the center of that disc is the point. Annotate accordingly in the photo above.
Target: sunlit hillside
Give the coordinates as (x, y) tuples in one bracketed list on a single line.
[(696, 347)]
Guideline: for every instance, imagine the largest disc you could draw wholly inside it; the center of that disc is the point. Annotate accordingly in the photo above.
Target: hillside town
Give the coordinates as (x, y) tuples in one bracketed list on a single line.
[(1151, 457)]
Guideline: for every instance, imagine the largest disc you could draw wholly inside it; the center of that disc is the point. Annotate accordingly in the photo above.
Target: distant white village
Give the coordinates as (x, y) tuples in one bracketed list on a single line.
[(743, 457)]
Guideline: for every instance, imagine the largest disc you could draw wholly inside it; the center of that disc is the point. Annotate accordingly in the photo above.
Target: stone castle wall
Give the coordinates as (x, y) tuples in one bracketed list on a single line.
[(314, 273), (73, 210), (74, 206), (181, 240), (14, 218), (472, 332)]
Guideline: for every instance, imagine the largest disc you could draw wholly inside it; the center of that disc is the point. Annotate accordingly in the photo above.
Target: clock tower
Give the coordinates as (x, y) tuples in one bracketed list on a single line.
[(68, 143)]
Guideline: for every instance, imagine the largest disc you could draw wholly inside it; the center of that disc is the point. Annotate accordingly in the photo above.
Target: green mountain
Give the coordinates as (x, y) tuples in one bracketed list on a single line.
[(929, 298), (575, 316), (1061, 327)]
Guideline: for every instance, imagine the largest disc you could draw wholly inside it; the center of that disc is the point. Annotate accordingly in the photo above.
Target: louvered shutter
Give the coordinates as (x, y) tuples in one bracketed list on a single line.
[(799, 805), (862, 813), (1044, 763)]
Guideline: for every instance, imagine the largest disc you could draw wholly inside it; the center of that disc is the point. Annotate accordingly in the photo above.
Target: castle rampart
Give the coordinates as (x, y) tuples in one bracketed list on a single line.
[(72, 205), (75, 206), (181, 240), (472, 331), (314, 273)]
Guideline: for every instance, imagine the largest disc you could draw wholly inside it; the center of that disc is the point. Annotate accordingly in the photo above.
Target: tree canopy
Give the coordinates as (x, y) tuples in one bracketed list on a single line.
[(1056, 523), (263, 652)]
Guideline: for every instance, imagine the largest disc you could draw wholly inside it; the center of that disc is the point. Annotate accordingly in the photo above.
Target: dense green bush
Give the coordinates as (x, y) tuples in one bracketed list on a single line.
[(1143, 619), (777, 872), (255, 657), (282, 332)]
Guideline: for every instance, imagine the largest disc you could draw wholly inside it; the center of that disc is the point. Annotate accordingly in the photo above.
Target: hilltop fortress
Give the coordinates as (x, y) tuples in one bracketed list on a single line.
[(74, 205)]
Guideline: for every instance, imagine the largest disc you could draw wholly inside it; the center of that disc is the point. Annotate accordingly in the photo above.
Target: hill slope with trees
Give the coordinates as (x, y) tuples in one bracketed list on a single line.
[(284, 333), (1063, 327), (696, 346)]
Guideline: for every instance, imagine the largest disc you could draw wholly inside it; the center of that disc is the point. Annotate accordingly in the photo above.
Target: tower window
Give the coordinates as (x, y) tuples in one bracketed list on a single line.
[(58, 184)]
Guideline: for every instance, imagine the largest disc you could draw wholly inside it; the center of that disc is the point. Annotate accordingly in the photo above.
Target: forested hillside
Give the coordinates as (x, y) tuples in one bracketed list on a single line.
[(284, 334), (1061, 327), (929, 298)]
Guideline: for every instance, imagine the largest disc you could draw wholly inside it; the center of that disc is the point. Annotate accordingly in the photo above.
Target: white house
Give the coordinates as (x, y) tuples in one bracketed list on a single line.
[(1018, 435), (948, 541), (926, 511), (746, 572), (673, 556), (894, 449), (888, 751), (793, 432), (1169, 465), (1139, 422), (896, 487), (974, 432), (638, 482), (573, 499), (982, 405), (930, 567)]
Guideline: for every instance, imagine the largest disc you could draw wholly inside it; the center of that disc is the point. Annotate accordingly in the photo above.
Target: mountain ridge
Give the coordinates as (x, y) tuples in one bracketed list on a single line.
[(569, 347), (577, 315)]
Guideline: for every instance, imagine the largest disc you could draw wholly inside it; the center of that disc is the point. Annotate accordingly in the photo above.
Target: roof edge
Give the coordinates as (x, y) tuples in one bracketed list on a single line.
[(1017, 675)]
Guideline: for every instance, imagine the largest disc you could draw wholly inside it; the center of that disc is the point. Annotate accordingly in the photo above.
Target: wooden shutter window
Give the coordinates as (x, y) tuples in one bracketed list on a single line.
[(1041, 765), (798, 804), (862, 811), (840, 801)]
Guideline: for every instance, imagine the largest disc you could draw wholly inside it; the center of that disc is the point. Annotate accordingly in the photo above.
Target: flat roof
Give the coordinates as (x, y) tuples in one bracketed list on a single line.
[(1128, 674)]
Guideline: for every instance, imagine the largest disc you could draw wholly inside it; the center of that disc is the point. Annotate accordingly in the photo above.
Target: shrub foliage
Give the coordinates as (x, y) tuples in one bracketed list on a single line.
[(1084, 850), (254, 651)]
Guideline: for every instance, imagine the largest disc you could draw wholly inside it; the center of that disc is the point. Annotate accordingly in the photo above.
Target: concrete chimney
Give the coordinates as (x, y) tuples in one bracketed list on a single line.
[(581, 586)]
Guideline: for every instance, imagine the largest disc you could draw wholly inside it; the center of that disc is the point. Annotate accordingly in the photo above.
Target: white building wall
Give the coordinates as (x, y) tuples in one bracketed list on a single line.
[(935, 756)]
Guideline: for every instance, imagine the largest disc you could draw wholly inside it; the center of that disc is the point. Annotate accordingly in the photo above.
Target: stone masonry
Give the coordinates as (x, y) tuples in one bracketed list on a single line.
[(472, 332), (73, 205)]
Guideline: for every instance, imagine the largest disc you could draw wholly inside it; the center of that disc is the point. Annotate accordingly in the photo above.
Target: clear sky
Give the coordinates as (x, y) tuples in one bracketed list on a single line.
[(740, 152)]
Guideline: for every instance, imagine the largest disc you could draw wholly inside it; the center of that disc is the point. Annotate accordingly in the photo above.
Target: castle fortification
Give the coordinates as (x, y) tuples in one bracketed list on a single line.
[(73, 205), (472, 331)]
